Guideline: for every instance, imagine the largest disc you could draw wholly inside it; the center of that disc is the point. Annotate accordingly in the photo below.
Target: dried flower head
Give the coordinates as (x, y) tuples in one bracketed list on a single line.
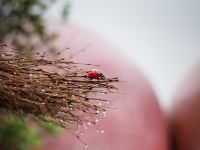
[(50, 88)]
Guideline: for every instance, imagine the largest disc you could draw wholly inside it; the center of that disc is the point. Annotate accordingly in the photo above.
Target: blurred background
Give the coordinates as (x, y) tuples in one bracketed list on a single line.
[(162, 37)]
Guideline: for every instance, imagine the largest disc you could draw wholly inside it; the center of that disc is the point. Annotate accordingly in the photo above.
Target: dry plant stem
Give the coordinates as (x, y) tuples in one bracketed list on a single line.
[(51, 88)]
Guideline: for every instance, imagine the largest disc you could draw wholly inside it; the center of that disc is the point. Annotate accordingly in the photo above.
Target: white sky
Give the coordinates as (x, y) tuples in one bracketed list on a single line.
[(161, 36)]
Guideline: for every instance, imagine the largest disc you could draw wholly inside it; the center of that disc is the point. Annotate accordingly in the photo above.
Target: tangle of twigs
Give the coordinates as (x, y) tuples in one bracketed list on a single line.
[(50, 88)]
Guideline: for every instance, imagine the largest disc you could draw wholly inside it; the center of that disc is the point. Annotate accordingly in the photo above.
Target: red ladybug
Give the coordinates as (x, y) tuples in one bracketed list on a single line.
[(95, 74)]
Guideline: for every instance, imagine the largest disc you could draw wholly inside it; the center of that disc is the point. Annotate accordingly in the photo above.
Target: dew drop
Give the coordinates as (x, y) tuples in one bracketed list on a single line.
[(107, 102), (102, 131), (14, 73), (97, 120), (81, 133), (89, 123), (104, 113), (30, 75), (100, 104), (77, 131), (43, 90), (26, 86)]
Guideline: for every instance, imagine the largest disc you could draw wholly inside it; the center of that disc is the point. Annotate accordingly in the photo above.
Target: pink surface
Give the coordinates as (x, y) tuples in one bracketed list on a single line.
[(137, 123)]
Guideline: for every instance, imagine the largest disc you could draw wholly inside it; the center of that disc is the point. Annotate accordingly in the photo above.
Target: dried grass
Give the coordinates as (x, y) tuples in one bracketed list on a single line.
[(56, 89)]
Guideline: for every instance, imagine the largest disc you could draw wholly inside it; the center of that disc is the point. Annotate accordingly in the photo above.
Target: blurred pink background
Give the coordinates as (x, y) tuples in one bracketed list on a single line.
[(162, 37), (136, 120)]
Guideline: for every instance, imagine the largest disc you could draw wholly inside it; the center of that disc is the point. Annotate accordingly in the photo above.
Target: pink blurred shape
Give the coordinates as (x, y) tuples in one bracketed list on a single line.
[(137, 123)]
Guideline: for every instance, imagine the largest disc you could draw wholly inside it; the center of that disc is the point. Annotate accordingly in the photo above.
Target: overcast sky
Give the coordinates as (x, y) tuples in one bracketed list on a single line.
[(161, 36)]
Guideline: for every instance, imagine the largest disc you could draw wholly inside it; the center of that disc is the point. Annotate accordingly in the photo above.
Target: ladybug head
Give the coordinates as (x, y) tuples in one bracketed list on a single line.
[(102, 77)]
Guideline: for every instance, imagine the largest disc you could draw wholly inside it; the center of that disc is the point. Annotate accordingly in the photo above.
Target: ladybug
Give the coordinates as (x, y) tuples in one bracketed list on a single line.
[(95, 74)]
